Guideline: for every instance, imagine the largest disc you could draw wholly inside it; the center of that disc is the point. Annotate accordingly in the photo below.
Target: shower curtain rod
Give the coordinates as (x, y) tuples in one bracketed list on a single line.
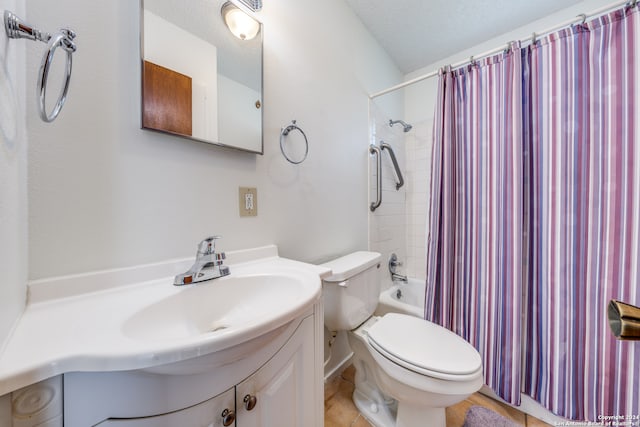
[(580, 18)]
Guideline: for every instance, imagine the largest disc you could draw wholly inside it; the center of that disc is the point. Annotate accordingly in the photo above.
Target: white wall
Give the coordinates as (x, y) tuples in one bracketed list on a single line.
[(13, 178), (103, 193)]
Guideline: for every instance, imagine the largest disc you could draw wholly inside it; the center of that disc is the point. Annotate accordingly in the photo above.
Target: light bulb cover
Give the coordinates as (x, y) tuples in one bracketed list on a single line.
[(239, 23)]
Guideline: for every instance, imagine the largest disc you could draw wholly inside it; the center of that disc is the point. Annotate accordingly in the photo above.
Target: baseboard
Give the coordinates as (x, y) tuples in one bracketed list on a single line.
[(337, 369)]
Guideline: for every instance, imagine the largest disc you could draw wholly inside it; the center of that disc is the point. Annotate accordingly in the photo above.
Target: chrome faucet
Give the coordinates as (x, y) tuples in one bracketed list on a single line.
[(208, 264), (393, 265)]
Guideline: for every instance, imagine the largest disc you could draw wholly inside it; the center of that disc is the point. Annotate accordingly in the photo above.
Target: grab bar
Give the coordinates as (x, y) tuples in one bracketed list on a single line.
[(399, 178), (373, 149)]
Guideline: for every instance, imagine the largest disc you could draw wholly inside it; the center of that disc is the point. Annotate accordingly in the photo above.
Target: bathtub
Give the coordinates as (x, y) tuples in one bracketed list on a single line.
[(407, 298)]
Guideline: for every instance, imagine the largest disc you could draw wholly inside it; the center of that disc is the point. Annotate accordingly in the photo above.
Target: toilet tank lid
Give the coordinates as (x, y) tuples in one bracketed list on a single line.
[(348, 266)]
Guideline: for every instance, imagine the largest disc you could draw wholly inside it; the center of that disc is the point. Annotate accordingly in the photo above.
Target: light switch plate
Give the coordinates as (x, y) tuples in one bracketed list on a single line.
[(248, 201)]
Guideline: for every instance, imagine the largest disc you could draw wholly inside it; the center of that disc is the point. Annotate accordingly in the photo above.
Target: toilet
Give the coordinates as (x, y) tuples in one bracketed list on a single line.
[(408, 370)]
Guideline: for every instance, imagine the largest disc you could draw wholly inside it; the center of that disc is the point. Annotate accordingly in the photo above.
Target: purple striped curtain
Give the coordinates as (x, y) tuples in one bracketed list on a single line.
[(535, 215), (474, 254), (583, 204)]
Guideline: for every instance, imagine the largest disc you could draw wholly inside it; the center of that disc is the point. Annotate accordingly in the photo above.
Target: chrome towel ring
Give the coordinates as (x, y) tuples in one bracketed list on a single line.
[(284, 132), (18, 29)]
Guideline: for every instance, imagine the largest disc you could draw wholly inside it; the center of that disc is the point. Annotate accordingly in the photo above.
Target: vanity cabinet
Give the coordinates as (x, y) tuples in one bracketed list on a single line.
[(144, 353), (215, 412), (278, 394), (278, 385), (37, 405)]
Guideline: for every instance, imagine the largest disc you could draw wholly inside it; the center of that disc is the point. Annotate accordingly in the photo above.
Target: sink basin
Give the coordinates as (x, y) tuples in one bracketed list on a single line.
[(134, 319), (223, 306)]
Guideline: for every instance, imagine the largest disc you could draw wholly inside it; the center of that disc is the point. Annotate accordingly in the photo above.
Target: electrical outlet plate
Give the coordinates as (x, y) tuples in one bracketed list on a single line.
[(248, 201)]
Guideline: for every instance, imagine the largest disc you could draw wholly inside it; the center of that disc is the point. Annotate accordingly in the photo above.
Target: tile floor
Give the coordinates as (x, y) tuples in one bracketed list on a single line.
[(339, 410)]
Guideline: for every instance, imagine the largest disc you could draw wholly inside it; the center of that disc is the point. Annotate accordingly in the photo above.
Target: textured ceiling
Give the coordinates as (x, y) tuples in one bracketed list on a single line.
[(417, 33)]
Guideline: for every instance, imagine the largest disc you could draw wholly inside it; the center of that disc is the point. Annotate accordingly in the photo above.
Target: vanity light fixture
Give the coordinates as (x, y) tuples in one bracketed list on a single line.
[(239, 23)]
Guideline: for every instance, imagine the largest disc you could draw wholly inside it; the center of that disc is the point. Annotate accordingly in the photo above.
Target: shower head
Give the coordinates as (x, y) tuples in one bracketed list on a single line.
[(407, 127)]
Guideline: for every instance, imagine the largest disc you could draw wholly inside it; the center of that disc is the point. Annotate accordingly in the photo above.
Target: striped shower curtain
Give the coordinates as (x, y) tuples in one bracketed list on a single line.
[(474, 255), (535, 216), (583, 203)]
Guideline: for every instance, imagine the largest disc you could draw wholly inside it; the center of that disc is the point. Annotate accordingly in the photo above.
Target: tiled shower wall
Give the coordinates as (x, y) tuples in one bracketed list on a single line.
[(418, 167), (387, 224), (399, 224)]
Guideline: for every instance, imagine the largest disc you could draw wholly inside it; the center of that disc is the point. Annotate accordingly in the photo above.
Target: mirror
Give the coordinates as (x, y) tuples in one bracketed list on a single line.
[(198, 80)]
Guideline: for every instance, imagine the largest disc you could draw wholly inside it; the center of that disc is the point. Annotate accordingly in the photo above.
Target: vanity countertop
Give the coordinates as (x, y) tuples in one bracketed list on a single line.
[(76, 323)]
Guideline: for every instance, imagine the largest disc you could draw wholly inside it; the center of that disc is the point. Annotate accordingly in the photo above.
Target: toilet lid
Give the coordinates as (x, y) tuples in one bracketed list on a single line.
[(423, 347)]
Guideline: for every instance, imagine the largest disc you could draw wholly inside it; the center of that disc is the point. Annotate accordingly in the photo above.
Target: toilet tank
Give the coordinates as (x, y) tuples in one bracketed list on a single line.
[(351, 292)]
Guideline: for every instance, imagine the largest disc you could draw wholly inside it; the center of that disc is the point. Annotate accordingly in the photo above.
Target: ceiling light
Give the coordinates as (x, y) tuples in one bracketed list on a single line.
[(239, 23), (254, 5)]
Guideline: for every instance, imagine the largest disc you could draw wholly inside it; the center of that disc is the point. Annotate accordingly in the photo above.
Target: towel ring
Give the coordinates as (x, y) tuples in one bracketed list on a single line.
[(284, 132), (61, 39), (18, 29)]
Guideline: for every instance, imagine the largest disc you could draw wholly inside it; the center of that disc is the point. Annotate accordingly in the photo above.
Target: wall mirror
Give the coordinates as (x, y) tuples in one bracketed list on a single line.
[(199, 81)]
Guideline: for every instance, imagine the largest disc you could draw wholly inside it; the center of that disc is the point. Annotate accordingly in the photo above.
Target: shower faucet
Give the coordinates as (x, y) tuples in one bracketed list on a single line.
[(407, 127), (393, 265)]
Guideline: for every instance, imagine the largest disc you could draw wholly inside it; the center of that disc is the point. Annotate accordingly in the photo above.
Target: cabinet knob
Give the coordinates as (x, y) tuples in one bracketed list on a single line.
[(228, 417), (250, 402)]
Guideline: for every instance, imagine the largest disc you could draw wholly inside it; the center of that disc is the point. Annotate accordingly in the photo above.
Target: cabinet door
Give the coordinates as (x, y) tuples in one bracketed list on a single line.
[(282, 392), (205, 414)]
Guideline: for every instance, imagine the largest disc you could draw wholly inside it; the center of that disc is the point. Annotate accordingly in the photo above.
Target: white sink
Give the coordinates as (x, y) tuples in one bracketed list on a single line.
[(135, 319), (220, 307)]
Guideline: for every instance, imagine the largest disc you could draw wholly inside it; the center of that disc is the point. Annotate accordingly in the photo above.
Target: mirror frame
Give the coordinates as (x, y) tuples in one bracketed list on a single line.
[(191, 138)]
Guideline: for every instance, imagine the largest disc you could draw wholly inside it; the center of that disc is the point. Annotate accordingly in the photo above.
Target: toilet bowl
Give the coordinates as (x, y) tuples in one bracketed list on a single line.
[(408, 370)]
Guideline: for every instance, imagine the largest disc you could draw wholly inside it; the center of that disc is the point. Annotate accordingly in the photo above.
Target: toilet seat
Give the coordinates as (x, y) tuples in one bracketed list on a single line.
[(424, 347)]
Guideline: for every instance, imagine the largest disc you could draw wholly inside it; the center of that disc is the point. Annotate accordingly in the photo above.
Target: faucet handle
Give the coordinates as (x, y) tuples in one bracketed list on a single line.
[(394, 263), (207, 246)]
